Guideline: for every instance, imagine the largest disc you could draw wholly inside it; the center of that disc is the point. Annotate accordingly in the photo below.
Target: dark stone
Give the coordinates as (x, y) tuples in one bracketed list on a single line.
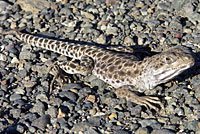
[(69, 95), (42, 121)]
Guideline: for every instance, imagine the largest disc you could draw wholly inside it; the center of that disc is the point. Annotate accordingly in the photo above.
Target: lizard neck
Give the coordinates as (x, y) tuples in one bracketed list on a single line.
[(142, 77)]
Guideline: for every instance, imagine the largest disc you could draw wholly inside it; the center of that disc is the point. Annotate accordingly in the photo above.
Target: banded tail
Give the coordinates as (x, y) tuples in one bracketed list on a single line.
[(68, 49)]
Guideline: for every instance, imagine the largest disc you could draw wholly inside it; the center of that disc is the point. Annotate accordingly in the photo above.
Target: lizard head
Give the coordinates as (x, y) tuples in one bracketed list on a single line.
[(165, 66)]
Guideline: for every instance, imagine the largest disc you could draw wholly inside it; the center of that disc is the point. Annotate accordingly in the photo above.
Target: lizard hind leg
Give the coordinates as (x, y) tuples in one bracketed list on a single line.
[(147, 101), (58, 75), (84, 67)]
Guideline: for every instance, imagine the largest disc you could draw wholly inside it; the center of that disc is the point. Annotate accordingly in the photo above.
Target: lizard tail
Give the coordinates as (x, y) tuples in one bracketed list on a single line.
[(15, 32)]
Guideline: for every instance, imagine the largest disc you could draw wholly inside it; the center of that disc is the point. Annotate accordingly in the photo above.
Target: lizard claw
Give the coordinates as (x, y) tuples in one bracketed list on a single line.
[(147, 102)]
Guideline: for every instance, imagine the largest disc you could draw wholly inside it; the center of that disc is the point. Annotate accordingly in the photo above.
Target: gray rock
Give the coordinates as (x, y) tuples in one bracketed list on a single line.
[(178, 4), (87, 105), (186, 9), (88, 15), (98, 2), (162, 131), (15, 97), (20, 129), (164, 5), (111, 30), (179, 111), (191, 125), (3, 57), (101, 39), (150, 123), (3, 6), (144, 10), (29, 84), (19, 103), (2, 64), (52, 111), (198, 131), (11, 48), (153, 23), (142, 131), (33, 6), (136, 110), (22, 73), (66, 11), (55, 102), (86, 24), (63, 123), (71, 86), (15, 113), (82, 126), (19, 90), (174, 40), (26, 55), (97, 82), (2, 93), (3, 17), (40, 69), (95, 121), (69, 95), (91, 131), (32, 129), (38, 108), (196, 84), (70, 105), (121, 132), (30, 117), (42, 97), (42, 121), (175, 119)]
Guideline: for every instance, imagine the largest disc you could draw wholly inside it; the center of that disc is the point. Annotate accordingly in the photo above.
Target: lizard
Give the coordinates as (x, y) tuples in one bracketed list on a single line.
[(123, 71)]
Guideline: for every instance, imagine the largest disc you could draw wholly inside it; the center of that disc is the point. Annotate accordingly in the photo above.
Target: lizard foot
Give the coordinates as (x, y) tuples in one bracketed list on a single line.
[(147, 101)]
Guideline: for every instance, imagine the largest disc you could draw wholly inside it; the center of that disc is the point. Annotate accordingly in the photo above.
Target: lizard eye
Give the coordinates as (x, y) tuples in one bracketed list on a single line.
[(168, 60)]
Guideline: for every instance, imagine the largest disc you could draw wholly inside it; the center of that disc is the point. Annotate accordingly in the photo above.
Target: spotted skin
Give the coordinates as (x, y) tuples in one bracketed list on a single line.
[(123, 71)]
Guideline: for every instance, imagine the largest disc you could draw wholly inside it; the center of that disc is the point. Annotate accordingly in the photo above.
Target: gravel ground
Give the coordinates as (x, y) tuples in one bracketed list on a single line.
[(87, 105)]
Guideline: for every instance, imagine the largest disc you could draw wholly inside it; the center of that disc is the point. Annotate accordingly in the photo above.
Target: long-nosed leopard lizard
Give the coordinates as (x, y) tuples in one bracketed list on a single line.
[(121, 70)]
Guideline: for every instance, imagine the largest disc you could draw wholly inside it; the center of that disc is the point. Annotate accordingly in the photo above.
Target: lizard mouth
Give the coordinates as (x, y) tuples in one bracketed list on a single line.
[(170, 74)]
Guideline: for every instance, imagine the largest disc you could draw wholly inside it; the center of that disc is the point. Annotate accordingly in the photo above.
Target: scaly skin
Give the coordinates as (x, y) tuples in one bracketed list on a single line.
[(120, 70)]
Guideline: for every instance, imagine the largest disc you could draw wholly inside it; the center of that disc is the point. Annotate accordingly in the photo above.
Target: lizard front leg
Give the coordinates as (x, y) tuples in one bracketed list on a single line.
[(125, 92)]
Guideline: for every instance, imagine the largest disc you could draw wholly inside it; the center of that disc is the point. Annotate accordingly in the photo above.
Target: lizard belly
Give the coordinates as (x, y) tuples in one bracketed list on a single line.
[(111, 81)]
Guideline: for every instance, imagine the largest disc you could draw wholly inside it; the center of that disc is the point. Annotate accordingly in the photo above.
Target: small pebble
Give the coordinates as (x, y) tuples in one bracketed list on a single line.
[(3, 57)]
